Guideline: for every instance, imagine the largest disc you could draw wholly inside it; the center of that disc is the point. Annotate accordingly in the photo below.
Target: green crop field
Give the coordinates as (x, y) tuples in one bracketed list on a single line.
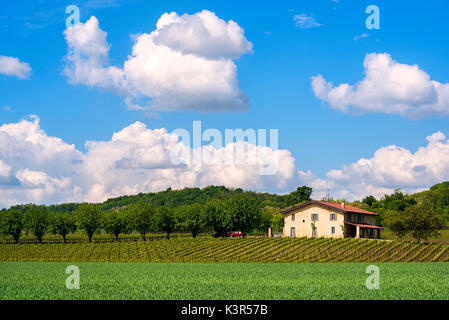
[(46, 280), (208, 249)]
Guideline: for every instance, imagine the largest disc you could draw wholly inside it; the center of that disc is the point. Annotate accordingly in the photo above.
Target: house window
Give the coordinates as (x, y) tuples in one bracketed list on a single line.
[(360, 218), (292, 232), (293, 217), (314, 216), (333, 230), (333, 217), (349, 217)]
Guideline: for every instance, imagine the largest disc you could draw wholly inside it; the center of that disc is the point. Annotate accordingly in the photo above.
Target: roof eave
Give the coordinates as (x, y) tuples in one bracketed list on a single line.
[(327, 206)]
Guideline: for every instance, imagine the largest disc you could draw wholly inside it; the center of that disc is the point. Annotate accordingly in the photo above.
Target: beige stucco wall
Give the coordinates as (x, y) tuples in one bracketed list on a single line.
[(303, 220)]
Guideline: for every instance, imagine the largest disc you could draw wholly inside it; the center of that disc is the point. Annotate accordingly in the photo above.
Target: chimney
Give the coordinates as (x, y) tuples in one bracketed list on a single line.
[(343, 205)]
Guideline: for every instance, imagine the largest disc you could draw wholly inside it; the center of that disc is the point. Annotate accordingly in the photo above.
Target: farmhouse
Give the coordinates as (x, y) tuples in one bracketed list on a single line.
[(327, 219)]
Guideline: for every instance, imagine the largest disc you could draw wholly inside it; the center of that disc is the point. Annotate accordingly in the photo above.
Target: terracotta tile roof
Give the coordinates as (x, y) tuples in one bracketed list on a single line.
[(332, 205), (347, 208), (363, 225)]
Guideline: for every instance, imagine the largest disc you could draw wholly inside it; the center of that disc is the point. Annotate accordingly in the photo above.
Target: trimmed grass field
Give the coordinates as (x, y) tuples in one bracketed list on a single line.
[(208, 249), (46, 280)]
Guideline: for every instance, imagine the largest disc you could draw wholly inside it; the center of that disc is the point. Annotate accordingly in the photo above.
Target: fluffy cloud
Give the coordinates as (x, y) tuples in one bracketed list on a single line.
[(4, 169), (388, 87), (390, 167), (12, 66), (185, 64), (35, 167)]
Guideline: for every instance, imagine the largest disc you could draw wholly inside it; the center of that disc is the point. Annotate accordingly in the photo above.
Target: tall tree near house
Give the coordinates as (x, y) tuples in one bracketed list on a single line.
[(88, 217), (37, 221), (301, 194), (62, 224), (142, 217), (277, 222), (12, 223), (265, 218), (271, 217)]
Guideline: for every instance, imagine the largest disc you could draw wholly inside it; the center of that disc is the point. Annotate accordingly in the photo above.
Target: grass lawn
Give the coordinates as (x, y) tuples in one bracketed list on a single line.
[(46, 280)]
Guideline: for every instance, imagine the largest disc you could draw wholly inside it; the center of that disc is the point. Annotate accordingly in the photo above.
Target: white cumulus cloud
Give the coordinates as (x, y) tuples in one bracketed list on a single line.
[(389, 168), (186, 63), (12, 66), (388, 87), (35, 167), (38, 168)]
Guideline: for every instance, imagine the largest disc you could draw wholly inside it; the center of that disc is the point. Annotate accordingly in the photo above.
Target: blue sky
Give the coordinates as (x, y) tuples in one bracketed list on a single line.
[(276, 75)]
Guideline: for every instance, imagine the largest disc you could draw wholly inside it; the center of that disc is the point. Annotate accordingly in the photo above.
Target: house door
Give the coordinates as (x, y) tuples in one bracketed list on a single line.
[(292, 232)]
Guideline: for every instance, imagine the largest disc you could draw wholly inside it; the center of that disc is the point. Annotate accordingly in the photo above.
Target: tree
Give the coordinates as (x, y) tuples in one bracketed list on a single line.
[(244, 212), (116, 222), (423, 221), (12, 223), (88, 218), (396, 222), (369, 200), (265, 218), (37, 221), (420, 220), (62, 224), (397, 201), (359, 204), (190, 218), (142, 216), (300, 195), (164, 220), (271, 217), (277, 222), (216, 218)]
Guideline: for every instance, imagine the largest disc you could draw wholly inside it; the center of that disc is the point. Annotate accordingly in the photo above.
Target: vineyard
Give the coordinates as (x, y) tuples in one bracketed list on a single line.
[(208, 249)]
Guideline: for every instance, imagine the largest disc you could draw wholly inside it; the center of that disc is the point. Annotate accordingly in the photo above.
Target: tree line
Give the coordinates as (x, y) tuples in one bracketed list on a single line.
[(238, 213), (218, 209)]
